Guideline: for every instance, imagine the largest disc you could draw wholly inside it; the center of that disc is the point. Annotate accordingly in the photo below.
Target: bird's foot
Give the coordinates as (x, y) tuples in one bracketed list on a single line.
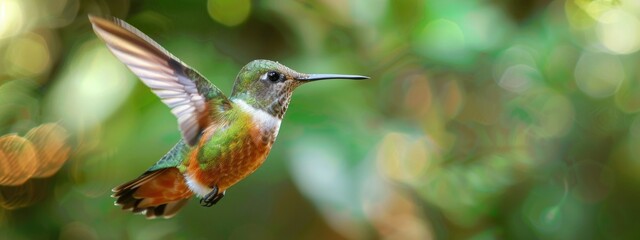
[(211, 198)]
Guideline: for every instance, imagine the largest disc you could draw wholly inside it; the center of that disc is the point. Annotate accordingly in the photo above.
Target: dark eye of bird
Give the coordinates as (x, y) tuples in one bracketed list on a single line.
[(273, 76)]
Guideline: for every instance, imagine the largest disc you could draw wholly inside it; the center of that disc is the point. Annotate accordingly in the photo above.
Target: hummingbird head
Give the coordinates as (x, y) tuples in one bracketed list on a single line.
[(268, 85)]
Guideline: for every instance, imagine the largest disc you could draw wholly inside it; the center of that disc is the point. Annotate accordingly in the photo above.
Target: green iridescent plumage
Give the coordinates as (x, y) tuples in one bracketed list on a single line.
[(173, 158), (234, 127)]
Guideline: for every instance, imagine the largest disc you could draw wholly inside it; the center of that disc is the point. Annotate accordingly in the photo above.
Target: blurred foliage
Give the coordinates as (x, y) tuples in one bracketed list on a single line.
[(482, 120)]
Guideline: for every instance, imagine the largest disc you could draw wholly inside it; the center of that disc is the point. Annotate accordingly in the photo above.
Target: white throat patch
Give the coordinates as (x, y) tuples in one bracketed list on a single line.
[(260, 117)]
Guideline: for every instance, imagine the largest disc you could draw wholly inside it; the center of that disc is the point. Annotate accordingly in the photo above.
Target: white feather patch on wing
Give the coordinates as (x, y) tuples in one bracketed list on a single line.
[(157, 69)]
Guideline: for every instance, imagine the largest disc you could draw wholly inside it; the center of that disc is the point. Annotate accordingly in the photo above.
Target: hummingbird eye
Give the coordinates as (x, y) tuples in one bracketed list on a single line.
[(274, 76)]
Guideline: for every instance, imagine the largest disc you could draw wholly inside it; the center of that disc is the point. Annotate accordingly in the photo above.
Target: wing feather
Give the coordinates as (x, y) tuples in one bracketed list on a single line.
[(181, 88)]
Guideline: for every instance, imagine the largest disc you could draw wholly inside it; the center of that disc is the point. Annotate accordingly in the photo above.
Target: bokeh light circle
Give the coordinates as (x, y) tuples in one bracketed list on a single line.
[(599, 75), (91, 87), (619, 31), (50, 141), (229, 12), (11, 18), (19, 162), (519, 78), (28, 55), (442, 39)]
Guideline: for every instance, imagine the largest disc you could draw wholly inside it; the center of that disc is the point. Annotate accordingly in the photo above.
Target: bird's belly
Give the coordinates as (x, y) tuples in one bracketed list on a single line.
[(235, 168), (234, 163)]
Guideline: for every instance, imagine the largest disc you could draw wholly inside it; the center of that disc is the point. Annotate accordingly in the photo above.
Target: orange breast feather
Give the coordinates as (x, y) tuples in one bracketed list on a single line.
[(249, 152)]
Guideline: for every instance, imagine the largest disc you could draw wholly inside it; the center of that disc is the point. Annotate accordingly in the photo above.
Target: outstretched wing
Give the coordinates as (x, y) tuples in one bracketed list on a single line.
[(181, 88)]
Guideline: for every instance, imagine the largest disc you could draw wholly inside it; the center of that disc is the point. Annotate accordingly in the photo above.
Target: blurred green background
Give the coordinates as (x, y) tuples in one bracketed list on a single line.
[(482, 119)]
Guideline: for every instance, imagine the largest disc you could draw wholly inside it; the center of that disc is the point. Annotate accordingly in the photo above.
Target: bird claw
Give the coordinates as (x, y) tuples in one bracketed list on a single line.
[(211, 198)]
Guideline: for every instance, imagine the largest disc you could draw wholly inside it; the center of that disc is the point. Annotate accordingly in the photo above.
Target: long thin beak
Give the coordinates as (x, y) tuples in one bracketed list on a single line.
[(315, 77)]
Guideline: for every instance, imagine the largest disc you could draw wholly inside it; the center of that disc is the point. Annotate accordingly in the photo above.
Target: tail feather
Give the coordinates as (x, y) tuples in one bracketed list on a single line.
[(167, 210), (135, 183), (159, 193)]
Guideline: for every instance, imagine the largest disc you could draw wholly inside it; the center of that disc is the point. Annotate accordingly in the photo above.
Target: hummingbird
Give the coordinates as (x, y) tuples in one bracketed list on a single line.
[(223, 139)]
